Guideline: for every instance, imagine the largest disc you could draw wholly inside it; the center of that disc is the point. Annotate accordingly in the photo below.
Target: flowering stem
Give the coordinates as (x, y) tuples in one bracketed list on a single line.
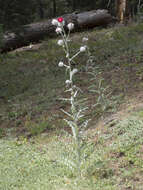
[(75, 112), (73, 107), (76, 128), (74, 55)]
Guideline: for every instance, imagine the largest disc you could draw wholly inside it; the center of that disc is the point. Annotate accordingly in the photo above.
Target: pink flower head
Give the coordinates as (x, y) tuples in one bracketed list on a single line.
[(60, 19)]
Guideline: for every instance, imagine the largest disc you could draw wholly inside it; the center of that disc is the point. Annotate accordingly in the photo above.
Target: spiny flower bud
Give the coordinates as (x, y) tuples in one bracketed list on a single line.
[(61, 64), (84, 39), (72, 73), (60, 42), (55, 22), (58, 30), (67, 55), (70, 26), (83, 48), (68, 82)]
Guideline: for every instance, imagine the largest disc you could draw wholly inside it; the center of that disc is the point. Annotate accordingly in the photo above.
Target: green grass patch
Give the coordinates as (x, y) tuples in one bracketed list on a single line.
[(47, 162), (30, 85)]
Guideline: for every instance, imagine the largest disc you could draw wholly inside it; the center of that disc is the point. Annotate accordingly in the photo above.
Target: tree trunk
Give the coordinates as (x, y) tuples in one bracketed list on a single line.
[(37, 31), (74, 5), (40, 9), (54, 8), (121, 9)]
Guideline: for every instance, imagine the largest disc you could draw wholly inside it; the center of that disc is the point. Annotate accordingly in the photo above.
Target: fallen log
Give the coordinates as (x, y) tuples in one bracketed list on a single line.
[(37, 31)]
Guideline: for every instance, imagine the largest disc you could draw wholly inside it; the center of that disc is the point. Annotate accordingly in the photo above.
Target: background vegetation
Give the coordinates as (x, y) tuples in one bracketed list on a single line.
[(35, 150), (14, 13)]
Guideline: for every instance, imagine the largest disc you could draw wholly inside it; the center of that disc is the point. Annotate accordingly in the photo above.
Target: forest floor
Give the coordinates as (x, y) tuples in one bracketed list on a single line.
[(36, 153)]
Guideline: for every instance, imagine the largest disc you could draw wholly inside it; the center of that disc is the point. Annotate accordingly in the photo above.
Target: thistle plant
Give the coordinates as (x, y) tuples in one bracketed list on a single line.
[(103, 100), (77, 112)]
